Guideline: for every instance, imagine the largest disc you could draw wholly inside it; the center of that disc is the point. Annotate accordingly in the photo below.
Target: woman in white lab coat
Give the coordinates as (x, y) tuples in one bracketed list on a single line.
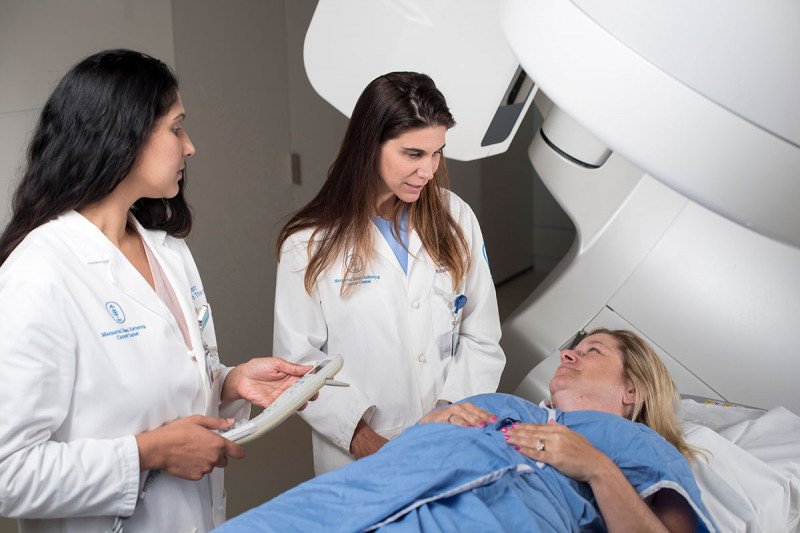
[(388, 268), (107, 345)]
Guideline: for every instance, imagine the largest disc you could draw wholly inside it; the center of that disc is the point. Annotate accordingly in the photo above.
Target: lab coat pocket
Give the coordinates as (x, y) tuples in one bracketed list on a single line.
[(445, 323), (448, 344)]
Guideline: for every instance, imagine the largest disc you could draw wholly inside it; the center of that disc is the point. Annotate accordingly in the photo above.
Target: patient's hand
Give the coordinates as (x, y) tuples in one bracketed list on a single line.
[(365, 441), (621, 507), (560, 447), (460, 414)]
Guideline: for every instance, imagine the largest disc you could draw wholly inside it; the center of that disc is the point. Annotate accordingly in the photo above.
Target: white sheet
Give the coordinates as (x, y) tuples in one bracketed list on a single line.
[(751, 481)]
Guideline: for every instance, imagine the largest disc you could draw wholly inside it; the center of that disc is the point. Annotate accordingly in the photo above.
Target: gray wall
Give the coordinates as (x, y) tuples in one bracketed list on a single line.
[(250, 106), (236, 91)]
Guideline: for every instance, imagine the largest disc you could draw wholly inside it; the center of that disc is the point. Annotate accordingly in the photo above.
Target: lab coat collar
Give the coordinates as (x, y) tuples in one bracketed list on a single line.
[(86, 240), (91, 245), (414, 244), (171, 264), (94, 248), (382, 247)]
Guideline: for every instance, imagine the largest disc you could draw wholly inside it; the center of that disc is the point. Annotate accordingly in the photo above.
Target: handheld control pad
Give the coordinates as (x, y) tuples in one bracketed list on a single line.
[(293, 398)]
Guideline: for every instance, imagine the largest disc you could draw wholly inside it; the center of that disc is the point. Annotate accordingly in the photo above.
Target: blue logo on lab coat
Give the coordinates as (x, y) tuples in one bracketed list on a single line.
[(354, 264), (116, 312)]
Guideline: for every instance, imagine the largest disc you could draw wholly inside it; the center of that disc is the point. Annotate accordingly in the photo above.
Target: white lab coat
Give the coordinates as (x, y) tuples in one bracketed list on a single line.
[(91, 356), (401, 350)]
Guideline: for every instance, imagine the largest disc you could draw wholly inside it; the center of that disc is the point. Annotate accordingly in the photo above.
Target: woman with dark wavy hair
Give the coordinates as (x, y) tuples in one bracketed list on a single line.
[(106, 339), (387, 267)]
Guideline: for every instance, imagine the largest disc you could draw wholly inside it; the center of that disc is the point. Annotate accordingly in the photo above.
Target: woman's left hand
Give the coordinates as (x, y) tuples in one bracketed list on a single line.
[(560, 447), (261, 380)]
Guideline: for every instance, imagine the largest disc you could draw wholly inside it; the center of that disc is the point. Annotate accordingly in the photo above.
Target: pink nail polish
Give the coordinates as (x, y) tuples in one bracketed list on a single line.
[(483, 424), (514, 425), (494, 419), (516, 448), (507, 437)]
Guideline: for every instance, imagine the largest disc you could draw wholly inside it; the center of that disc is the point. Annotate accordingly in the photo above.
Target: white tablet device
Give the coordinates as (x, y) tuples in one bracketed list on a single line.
[(293, 398)]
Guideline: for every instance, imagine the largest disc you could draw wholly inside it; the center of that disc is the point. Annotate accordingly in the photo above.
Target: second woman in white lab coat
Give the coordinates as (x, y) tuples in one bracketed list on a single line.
[(387, 268)]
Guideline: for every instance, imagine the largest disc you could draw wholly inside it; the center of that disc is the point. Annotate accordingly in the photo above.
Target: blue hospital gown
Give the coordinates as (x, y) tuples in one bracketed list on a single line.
[(443, 477)]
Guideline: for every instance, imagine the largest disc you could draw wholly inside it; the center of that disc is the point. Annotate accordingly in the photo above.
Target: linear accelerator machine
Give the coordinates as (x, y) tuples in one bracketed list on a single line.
[(671, 138)]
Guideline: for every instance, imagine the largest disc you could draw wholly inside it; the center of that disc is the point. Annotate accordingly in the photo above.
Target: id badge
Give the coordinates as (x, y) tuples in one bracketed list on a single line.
[(458, 306), (206, 324), (455, 336)]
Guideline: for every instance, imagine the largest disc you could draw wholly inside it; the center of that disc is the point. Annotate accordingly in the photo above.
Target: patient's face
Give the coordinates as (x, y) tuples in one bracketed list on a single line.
[(591, 377)]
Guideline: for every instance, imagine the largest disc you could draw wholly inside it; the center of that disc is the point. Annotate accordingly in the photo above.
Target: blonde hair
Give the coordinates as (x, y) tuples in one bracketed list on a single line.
[(656, 394)]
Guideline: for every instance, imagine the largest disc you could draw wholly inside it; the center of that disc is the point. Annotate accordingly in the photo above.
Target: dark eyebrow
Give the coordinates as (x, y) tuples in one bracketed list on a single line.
[(420, 150)]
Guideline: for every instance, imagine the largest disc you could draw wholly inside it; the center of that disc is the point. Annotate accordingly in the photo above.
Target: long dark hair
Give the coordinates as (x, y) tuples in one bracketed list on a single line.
[(88, 137), (340, 213)]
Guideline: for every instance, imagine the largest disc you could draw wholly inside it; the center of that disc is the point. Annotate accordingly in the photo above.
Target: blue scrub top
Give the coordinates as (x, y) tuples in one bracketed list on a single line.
[(400, 248)]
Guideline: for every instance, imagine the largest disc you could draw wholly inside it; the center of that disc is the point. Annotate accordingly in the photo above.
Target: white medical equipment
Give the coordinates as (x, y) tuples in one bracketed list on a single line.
[(246, 430), (671, 138), (677, 168)]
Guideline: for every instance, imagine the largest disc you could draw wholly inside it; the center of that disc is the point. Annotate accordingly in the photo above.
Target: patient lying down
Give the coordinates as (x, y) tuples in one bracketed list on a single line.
[(608, 455)]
